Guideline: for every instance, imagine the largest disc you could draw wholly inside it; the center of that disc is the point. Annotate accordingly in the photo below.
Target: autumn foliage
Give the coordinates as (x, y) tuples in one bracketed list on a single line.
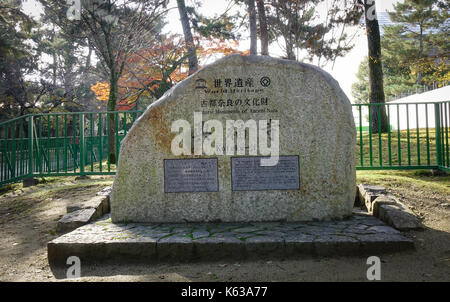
[(151, 72)]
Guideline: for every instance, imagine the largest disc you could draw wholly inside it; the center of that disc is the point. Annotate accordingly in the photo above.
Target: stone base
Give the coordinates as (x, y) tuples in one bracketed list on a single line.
[(387, 207), (105, 241), (81, 213), (75, 219)]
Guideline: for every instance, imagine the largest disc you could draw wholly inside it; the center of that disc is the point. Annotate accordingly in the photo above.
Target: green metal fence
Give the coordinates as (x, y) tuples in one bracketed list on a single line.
[(417, 136), (63, 144)]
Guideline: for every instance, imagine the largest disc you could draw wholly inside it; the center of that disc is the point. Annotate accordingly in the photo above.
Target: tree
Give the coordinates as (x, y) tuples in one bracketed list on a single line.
[(252, 21), (66, 75), (148, 73), (296, 23), (419, 18), (360, 89), (116, 29), (18, 96), (379, 122), (399, 50), (263, 33), (189, 40), (197, 29), (69, 73), (41, 69), (396, 80)]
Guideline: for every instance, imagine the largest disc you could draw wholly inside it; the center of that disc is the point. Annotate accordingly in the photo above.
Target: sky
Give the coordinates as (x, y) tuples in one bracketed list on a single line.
[(344, 69)]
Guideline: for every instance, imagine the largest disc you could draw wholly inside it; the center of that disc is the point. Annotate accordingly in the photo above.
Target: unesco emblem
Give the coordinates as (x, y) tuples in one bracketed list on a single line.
[(200, 84), (265, 81)]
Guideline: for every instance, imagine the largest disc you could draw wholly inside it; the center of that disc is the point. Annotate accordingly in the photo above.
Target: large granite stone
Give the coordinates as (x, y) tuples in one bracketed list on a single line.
[(316, 126)]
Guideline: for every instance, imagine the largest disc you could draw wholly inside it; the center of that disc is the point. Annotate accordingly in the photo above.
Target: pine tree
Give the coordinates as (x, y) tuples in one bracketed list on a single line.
[(379, 122), (189, 40), (420, 18), (400, 49)]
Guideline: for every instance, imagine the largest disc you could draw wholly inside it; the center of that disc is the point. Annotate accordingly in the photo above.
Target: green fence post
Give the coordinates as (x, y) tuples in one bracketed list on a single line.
[(437, 120), (30, 146), (82, 149), (13, 150)]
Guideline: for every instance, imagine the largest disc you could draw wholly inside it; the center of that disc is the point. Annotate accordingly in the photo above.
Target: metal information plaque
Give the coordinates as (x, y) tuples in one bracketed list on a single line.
[(191, 175), (247, 174)]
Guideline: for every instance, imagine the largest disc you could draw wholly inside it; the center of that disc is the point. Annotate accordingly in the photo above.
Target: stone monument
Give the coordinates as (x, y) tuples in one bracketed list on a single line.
[(246, 138)]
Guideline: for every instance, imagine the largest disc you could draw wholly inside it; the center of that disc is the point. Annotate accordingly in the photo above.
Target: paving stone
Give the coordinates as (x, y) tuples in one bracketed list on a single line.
[(119, 251), (105, 192), (200, 234), (286, 227), (75, 219), (248, 229), (355, 228), (383, 229), (224, 235), (298, 244), (384, 243), (359, 213), (368, 193), (370, 221), (174, 248), (81, 213), (336, 244), (263, 246), (100, 203), (218, 248), (103, 240), (399, 216), (319, 231), (381, 200), (274, 233), (273, 225)]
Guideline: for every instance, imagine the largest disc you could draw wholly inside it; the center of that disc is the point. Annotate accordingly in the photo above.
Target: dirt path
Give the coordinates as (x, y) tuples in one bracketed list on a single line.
[(28, 218)]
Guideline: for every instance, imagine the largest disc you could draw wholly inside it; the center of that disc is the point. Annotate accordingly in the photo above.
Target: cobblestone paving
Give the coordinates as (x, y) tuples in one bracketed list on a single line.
[(102, 239)]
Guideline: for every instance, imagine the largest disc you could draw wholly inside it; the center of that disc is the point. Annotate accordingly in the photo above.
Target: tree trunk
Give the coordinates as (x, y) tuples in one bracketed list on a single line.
[(112, 119), (54, 69), (378, 113), (263, 28), (189, 40), (88, 63), (419, 73), (290, 55), (253, 33)]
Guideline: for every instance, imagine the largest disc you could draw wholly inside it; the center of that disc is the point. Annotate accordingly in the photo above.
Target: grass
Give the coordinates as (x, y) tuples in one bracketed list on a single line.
[(91, 167), (50, 192), (51, 186), (415, 180), (400, 148)]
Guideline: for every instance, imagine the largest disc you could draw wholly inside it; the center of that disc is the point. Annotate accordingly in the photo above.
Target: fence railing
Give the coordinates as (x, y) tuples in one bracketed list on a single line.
[(62, 144), (416, 136)]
